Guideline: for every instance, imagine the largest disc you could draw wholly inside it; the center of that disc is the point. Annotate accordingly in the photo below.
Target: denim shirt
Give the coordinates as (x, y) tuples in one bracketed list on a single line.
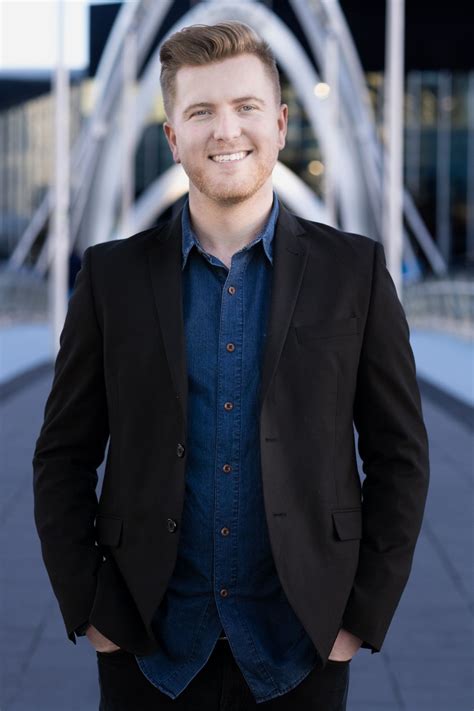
[(225, 578)]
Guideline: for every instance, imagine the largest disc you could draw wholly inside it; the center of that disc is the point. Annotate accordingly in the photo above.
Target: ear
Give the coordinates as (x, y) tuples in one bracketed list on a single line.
[(282, 125), (171, 138)]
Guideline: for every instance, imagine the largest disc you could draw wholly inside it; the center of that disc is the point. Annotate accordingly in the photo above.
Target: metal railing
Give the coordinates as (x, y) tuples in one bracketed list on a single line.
[(442, 305), (23, 297)]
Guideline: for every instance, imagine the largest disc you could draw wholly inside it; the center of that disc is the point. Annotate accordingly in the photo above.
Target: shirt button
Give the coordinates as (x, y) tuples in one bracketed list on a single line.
[(180, 450), (224, 592), (228, 406), (225, 531), (231, 290), (230, 347), (226, 468)]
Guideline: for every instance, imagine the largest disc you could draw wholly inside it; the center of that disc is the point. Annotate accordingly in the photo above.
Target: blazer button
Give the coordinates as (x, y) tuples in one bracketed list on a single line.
[(172, 525), (180, 450)]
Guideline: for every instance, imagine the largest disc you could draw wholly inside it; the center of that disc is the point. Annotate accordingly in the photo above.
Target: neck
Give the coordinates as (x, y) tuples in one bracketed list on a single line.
[(224, 230)]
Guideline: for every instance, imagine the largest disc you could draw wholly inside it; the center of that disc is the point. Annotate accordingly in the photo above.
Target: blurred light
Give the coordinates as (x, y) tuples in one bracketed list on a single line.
[(375, 79), (321, 90), (157, 113), (447, 103), (428, 107), (315, 167), (88, 96)]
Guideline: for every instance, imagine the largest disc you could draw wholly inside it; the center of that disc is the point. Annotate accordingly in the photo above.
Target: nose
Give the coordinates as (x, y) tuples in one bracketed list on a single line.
[(227, 126)]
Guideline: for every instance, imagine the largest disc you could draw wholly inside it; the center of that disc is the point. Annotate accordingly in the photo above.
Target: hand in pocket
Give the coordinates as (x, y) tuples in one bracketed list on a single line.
[(99, 641)]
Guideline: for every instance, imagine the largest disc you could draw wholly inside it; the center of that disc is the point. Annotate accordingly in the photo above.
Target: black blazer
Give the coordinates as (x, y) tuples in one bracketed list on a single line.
[(337, 353)]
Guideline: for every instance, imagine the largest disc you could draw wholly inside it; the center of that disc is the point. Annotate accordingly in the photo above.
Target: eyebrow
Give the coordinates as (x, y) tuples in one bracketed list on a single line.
[(211, 105)]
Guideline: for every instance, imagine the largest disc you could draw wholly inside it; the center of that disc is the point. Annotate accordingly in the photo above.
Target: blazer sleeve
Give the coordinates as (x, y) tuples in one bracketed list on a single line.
[(393, 447), (70, 447)]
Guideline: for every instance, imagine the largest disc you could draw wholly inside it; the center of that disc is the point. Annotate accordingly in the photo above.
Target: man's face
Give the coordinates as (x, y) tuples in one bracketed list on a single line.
[(225, 108)]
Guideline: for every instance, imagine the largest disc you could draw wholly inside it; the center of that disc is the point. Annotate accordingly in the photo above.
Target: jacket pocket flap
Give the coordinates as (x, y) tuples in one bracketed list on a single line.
[(348, 524), (108, 530), (325, 328)]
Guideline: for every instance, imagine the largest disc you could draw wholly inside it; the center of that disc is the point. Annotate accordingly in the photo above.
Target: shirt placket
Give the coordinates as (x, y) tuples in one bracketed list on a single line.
[(228, 427)]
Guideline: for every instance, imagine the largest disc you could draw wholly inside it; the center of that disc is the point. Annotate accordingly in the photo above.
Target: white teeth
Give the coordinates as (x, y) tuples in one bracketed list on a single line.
[(229, 157)]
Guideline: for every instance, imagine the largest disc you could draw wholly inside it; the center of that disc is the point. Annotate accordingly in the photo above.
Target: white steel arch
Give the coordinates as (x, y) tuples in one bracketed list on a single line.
[(96, 157), (317, 18), (147, 15)]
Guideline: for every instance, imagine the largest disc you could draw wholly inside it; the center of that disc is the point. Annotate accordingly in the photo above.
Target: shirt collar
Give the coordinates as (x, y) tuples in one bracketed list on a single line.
[(190, 240)]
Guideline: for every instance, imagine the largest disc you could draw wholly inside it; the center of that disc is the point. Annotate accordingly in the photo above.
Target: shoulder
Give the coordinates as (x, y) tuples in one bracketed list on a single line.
[(355, 251), (112, 254), (320, 233), (122, 248)]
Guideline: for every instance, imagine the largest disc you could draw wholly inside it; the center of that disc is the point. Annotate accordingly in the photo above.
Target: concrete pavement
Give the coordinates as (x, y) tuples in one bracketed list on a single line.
[(426, 661)]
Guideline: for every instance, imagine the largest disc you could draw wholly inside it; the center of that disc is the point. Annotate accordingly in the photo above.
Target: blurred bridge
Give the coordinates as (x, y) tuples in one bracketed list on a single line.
[(334, 97)]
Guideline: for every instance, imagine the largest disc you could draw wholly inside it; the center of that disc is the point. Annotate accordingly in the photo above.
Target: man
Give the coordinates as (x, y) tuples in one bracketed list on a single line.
[(227, 354)]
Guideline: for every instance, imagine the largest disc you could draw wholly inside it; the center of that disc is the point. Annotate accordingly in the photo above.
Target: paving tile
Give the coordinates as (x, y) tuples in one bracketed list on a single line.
[(370, 682), (443, 683)]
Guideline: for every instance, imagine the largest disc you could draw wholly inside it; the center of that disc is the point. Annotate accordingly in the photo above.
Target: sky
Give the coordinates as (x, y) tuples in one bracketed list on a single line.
[(28, 33)]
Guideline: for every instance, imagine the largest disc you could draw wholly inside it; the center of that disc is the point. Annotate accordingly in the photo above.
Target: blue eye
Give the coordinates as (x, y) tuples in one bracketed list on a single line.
[(203, 111)]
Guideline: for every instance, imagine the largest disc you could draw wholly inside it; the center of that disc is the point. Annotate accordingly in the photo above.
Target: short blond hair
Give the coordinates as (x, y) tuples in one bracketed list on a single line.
[(197, 45)]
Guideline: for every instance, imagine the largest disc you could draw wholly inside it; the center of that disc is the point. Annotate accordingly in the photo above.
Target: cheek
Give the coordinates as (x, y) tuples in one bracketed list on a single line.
[(193, 145), (267, 136)]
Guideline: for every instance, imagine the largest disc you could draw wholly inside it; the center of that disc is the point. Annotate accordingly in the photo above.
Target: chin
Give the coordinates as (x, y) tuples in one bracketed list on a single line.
[(228, 194), (230, 197)]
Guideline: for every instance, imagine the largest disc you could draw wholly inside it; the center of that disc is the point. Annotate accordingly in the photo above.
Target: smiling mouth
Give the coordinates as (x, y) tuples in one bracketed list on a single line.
[(230, 157)]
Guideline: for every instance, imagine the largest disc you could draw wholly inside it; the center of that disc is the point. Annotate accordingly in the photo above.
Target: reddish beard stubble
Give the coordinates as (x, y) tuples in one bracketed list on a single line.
[(231, 185)]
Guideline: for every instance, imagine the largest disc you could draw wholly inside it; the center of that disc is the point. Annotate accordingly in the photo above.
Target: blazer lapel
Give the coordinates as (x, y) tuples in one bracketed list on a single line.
[(164, 255), (290, 257)]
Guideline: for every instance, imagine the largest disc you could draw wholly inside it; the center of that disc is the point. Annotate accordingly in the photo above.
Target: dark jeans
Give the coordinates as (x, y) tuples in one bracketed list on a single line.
[(219, 686)]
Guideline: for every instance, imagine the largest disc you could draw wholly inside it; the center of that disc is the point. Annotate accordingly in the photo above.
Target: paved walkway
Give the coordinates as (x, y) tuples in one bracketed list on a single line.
[(446, 361), (23, 347), (426, 662)]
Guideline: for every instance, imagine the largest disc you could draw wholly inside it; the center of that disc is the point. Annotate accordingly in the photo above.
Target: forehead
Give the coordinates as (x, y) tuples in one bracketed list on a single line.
[(222, 81)]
